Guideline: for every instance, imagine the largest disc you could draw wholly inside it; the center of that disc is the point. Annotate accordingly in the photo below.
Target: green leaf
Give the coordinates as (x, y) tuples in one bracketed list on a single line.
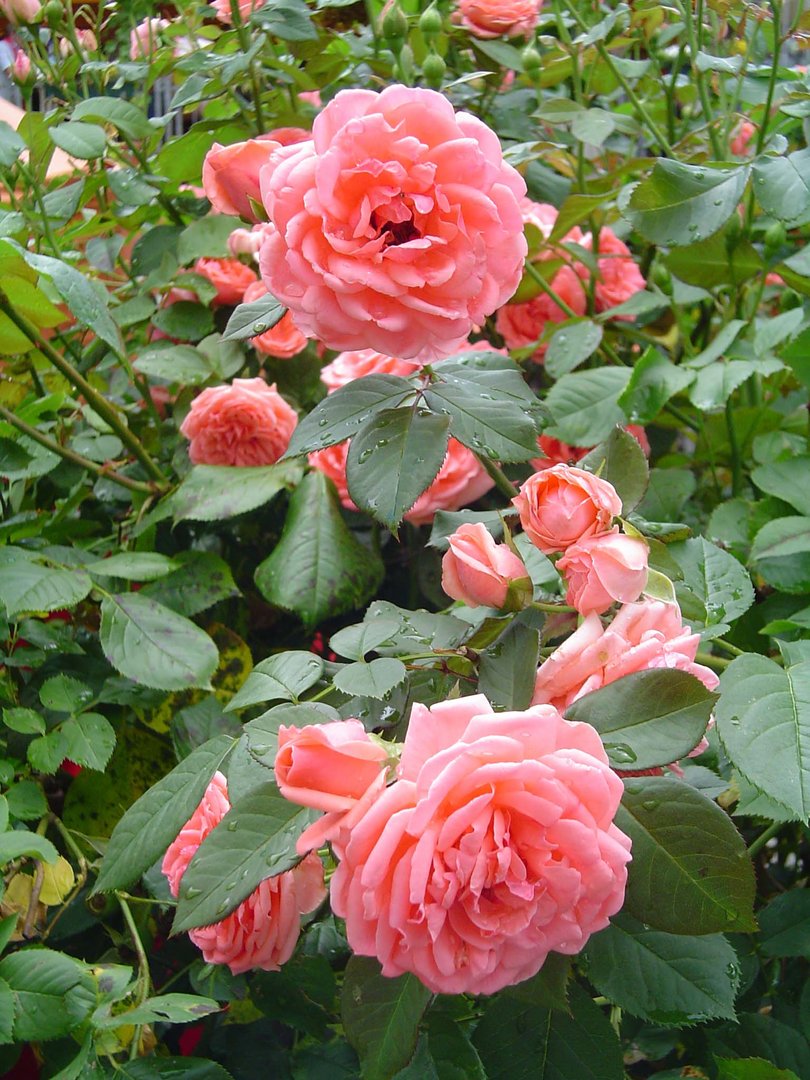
[(649, 718), (254, 841), (751, 1069), (342, 413), (125, 115), (153, 646), (679, 204), (690, 873), (25, 801), (584, 405), (760, 1036), (393, 458), (354, 642), (20, 842), (84, 141), (716, 383), (201, 580), (715, 588), (262, 733), (25, 721), (40, 981), (785, 480), (207, 237), (785, 925), (621, 461), (571, 345), (489, 404), (162, 1009), (48, 753), (374, 679), (62, 693), (175, 363), (154, 821), (186, 321), (664, 978), (133, 566), (508, 667), (781, 552), (549, 987), (6, 1011), (715, 262), (29, 585), (249, 320), (11, 145), (782, 188), (90, 740), (778, 329), (87, 302), (653, 382), (381, 1016), (217, 492), (279, 678), (170, 1068), (519, 1041), (763, 720), (318, 569)]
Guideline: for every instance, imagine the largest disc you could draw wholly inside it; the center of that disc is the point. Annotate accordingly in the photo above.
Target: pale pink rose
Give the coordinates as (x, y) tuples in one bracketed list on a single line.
[(649, 634), (560, 453), (246, 423), (522, 324), (543, 216), (20, 11), (86, 39), (774, 279), (619, 277), (461, 480), (602, 569), (230, 277), (310, 97), (225, 12), (230, 175), (143, 39), (498, 18), (563, 505), (348, 366), (249, 241), (495, 846), (334, 767), (397, 229), (263, 930), (481, 573), (740, 145), (21, 68), (282, 340)]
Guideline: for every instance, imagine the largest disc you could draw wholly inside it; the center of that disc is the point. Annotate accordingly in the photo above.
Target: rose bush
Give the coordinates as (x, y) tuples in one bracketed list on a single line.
[(404, 541)]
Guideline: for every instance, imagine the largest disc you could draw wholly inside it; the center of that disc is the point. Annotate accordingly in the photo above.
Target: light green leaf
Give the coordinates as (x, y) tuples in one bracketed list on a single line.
[(20, 842), (162, 1009), (133, 566), (124, 115), (218, 492), (25, 721), (254, 841), (90, 740), (374, 679), (716, 588), (87, 301), (571, 345), (786, 480), (653, 382), (782, 187), (283, 677), (584, 405), (249, 320), (84, 141), (781, 553), (175, 363), (207, 237), (29, 585)]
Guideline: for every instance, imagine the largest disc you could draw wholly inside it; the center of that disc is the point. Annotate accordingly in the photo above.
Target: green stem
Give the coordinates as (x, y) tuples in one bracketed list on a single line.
[(673, 410), (143, 980), (42, 217), (736, 464), (549, 291), (553, 609), (97, 401), (757, 845), (502, 481), (712, 661), (71, 455), (776, 8), (698, 76)]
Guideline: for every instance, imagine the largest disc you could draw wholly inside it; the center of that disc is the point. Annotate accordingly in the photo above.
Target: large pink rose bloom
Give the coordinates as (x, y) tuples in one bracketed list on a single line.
[(494, 847), (495, 18), (397, 229), (646, 635), (246, 423), (461, 480), (263, 930)]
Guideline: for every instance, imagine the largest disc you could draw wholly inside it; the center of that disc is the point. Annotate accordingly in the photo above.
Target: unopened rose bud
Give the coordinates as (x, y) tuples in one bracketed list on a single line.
[(433, 68), (481, 573), (21, 67)]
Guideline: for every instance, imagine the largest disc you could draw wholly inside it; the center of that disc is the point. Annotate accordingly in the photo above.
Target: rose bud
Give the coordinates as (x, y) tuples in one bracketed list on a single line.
[(562, 505), (602, 569), (481, 573)]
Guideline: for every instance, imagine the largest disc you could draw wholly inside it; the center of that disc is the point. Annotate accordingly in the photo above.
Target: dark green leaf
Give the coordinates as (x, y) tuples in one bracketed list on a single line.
[(571, 345), (374, 679), (584, 405), (785, 925), (249, 320), (509, 666), (201, 580), (217, 492), (164, 1008), (653, 382), (782, 187), (781, 553), (40, 980), (716, 588), (283, 677), (621, 461), (207, 237)]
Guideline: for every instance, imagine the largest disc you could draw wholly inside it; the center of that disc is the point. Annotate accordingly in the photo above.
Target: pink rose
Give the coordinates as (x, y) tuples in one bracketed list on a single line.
[(649, 634), (480, 572), (310, 97), (603, 568), (522, 324), (495, 846), (230, 175), (496, 18), (282, 340), (249, 241), (230, 277), (740, 144), (348, 366), (246, 423), (334, 767), (20, 11), (143, 39), (225, 12), (263, 930), (562, 505), (560, 453), (21, 68), (461, 480), (619, 277), (398, 228)]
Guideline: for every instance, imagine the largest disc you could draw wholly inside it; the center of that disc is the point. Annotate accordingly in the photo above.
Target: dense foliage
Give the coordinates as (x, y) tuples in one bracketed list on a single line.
[(177, 594)]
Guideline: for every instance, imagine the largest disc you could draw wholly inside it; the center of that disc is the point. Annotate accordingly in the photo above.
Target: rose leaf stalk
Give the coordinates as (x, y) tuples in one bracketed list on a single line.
[(97, 401)]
